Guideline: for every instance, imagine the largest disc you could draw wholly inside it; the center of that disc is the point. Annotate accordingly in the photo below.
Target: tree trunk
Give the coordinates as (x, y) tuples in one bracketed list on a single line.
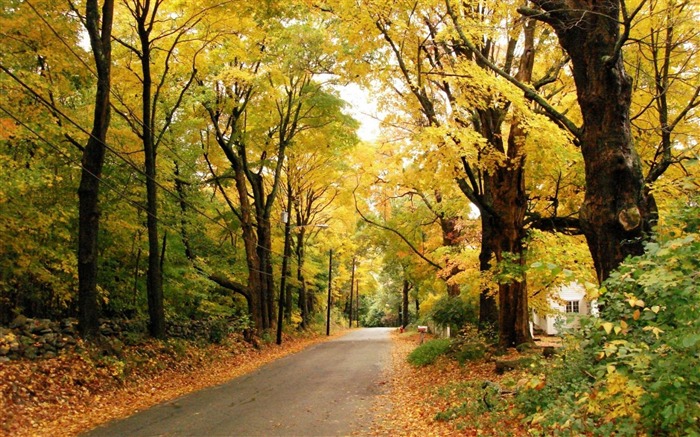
[(404, 303), (303, 300), (92, 163), (451, 237), (352, 289), (617, 214), (154, 275), (488, 308), (184, 235)]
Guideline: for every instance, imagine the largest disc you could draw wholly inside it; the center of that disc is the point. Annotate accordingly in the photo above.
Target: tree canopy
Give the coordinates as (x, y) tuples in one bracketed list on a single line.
[(150, 150)]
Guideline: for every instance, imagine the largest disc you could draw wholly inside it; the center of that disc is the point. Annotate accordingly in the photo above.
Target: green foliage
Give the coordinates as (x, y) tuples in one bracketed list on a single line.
[(428, 352), (636, 369), (469, 345), (453, 312)]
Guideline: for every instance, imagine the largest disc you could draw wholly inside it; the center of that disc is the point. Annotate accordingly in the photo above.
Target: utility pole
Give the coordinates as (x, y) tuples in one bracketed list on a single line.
[(328, 305), (352, 286), (357, 303)]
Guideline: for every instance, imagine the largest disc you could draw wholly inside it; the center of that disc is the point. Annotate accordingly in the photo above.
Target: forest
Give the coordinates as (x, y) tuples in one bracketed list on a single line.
[(170, 161)]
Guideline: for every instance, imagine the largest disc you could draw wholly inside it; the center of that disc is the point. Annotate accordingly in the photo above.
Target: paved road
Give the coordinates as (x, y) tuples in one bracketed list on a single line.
[(325, 390)]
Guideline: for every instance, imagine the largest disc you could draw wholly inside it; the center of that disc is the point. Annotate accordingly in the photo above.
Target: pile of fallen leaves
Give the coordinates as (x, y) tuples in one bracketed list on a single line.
[(445, 399), (75, 392)]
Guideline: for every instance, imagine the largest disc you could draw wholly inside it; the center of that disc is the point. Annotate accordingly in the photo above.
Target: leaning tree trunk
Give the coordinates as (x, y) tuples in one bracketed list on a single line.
[(617, 214), (303, 300)]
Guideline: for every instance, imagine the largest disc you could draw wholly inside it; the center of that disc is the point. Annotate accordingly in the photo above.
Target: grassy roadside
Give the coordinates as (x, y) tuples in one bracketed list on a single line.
[(444, 398), (73, 392)]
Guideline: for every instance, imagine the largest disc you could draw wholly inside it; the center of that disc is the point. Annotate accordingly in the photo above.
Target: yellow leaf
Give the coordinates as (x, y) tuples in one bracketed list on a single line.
[(608, 327), (636, 315), (655, 309), (623, 324), (617, 329), (610, 368)]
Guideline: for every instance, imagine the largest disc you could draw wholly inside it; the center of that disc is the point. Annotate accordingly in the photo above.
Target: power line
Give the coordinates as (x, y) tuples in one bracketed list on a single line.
[(56, 110), (92, 71), (70, 160)]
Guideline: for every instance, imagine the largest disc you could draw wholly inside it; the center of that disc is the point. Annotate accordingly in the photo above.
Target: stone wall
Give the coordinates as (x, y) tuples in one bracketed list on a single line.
[(42, 338)]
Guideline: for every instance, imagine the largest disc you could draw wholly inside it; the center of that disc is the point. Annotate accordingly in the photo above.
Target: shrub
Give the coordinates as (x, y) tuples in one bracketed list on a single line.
[(428, 352), (635, 370), (469, 345), (452, 311)]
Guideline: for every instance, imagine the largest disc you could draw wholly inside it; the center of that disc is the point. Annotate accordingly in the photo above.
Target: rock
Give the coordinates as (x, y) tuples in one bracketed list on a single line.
[(31, 352), (19, 322), (37, 326)]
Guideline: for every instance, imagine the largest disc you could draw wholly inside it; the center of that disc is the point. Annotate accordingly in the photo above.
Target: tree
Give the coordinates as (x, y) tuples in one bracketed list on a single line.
[(617, 213), (99, 28), (158, 44), (263, 97), (463, 112)]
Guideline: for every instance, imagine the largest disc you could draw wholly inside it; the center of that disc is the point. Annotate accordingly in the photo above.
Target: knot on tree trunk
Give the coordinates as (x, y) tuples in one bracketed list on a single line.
[(630, 218)]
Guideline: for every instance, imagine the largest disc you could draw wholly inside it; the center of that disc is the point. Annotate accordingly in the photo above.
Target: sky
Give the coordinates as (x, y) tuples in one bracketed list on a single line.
[(363, 109)]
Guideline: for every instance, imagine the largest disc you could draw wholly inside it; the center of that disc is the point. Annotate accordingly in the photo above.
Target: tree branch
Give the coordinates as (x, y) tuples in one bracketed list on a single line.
[(530, 93), (399, 234)]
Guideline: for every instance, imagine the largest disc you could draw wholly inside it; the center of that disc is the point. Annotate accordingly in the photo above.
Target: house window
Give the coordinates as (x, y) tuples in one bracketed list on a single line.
[(572, 306)]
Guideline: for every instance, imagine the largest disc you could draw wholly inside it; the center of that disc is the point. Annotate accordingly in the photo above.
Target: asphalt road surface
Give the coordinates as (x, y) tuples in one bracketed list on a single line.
[(325, 390)]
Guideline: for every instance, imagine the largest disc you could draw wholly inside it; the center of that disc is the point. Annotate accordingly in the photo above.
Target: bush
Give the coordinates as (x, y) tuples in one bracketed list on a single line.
[(428, 352), (636, 369), (452, 311), (469, 345)]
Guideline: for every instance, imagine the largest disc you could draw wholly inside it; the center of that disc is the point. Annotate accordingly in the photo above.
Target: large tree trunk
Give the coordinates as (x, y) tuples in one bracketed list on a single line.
[(92, 163), (250, 242), (503, 232), (451, 237), (617, 214), (504, 236)]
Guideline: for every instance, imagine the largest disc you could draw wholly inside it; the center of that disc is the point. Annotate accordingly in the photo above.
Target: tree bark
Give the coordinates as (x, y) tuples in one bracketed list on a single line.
[(154, 275), (303, 300), (404, 303), (617, 214), (100, 34), (451, 237)]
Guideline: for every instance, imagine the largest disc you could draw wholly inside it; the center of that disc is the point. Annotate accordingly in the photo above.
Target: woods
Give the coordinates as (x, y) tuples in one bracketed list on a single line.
[(169, 162)]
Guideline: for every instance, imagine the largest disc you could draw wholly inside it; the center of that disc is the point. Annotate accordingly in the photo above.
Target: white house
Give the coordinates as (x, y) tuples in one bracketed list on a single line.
[(572, 301)]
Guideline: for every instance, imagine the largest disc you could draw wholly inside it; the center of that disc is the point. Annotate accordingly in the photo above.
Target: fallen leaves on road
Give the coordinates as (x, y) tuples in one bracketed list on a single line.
[(431, 400), (73, 393)]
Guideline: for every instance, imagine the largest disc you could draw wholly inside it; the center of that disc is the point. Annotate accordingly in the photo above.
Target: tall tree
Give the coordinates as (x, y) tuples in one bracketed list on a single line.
[(99, 28), (464, 108), (264, 96), (617, 213), (158, 46)]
